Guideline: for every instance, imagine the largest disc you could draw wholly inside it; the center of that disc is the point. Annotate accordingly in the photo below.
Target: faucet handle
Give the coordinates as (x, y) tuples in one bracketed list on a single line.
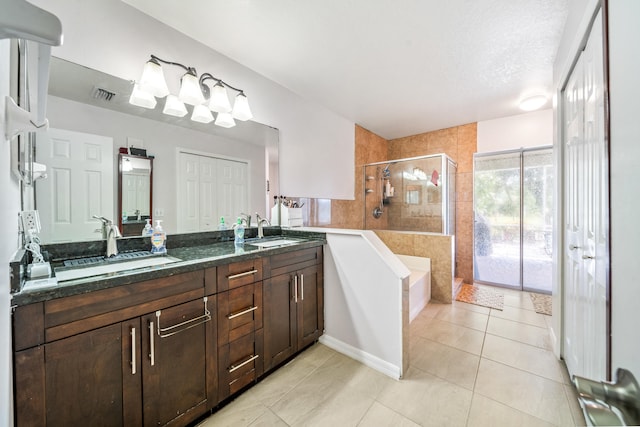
[(104, 220), (116, 231)]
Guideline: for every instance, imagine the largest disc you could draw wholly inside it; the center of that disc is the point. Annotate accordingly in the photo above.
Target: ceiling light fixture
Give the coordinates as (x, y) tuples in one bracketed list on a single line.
[(193, 91), (533, 102)]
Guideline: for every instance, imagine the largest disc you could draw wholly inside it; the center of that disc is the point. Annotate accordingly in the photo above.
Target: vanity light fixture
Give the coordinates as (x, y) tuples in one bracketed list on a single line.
[(174, 107), (225, 120), (193, 91), (141, 98), (201, 114)]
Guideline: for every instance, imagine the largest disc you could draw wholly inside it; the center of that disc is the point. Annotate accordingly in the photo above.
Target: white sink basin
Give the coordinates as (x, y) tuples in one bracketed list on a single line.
[(271, 243), (97, 270)]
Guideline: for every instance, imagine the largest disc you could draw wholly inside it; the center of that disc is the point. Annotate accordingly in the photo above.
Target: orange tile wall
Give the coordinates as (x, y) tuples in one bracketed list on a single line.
[(457, 142)]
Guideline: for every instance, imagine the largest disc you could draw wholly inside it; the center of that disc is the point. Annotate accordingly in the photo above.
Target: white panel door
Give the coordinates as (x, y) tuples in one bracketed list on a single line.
[(233, 194), (586, 212), (210, 188), (79, 184), (188, 193), (208, 198)]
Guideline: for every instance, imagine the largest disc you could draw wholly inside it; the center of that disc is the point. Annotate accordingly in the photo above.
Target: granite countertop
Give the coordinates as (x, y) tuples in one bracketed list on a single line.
[(192, 257)]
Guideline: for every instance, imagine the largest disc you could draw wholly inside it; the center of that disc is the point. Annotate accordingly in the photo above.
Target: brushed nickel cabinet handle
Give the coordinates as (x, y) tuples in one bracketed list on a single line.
[(573, 247), (188, 324), (295, 288), (246, 273), (133, 351), (240, 313), (240, 365), (301, 287), (152, 352), (588, 257)]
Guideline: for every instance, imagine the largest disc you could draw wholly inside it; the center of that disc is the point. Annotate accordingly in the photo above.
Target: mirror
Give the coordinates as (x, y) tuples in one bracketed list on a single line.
[(93, 107), (135, 187)]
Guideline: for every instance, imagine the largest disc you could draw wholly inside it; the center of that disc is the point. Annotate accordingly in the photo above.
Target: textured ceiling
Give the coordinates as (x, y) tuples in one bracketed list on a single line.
[(395, 67)]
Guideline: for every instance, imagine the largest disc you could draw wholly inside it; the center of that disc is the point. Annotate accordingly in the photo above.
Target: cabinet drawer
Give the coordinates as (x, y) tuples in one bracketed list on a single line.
[(68, 316), (239, 274), (240, 363), (239, 312), (291, 261)]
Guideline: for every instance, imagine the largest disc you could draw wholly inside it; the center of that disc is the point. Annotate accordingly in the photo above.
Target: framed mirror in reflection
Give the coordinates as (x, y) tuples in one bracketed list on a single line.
[(90, 118), (135, 190)]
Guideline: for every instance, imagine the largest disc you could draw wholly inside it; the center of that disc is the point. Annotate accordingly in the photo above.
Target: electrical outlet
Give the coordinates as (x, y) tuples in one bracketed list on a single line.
[(30, 221), (159, 212)]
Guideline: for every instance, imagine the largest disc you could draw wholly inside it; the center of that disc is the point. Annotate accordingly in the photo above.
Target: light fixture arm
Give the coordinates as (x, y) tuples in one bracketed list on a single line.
[(207, 76), (189, 70)]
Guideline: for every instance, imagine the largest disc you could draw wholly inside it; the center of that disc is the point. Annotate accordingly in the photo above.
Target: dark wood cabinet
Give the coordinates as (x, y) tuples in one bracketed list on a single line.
[(310, 306), (76, 365), (163, 351), (240, 334), (107, 360), (293, 305), (174, 343)]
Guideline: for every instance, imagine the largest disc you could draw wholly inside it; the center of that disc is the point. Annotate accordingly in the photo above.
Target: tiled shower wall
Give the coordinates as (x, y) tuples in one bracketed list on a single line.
[(458, 142)]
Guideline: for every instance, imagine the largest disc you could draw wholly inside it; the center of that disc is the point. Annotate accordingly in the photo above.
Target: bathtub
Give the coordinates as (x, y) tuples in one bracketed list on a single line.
[(419, 283)]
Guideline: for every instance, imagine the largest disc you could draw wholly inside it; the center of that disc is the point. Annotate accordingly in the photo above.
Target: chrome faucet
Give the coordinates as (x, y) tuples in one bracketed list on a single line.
[(246, 219), (110, 233), (261, 221)]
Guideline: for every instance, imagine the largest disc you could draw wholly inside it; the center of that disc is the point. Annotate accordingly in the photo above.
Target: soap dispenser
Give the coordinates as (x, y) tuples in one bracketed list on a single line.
[(158, 240), (147, 230), (238, 232), (222, 225)]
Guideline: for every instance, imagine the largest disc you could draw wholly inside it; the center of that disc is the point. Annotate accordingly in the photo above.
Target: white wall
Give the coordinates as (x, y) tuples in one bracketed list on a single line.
[(9, 208), (533, 129), (115, 38), (624, 93), (160, 140)]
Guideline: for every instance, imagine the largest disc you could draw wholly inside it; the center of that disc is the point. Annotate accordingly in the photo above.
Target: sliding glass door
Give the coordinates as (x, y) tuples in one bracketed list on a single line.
[(513, 210)]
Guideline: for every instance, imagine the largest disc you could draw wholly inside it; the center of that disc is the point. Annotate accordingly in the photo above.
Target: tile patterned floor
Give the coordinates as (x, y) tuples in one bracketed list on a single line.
[(470, 366)]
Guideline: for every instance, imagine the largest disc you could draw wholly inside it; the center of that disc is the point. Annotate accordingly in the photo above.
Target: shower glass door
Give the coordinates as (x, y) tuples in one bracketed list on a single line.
[(513, 196)]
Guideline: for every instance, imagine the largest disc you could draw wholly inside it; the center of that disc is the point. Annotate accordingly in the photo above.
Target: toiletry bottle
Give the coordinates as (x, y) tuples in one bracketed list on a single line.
[(222, 225), (147, 230), (238, 232), (158, 240)]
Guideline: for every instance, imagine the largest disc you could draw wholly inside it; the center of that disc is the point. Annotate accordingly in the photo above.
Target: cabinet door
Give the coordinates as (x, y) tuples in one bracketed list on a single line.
[(174, 352), (279, 320), (309, 306), (76, 365)]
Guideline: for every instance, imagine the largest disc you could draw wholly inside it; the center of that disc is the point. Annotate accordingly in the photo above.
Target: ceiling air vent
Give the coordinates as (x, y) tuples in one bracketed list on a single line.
[(103, 94)]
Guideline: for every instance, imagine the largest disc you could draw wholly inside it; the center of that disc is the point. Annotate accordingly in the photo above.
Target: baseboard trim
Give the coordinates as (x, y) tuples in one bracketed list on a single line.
[(363, 357)]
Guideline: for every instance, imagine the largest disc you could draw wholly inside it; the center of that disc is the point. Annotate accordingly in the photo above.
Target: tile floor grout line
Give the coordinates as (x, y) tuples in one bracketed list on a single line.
[(522, 323), (454, 348)]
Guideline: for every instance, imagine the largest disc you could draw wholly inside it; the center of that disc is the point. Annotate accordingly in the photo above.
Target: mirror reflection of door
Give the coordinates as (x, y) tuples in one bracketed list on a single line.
[(210, 188), (135, 193), (79, 184)]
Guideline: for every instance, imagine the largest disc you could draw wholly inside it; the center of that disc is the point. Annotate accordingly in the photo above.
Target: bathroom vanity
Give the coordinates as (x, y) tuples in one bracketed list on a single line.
[(167, 344)]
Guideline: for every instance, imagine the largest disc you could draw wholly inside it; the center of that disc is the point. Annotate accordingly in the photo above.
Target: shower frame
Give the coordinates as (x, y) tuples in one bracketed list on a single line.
[(448, 169)]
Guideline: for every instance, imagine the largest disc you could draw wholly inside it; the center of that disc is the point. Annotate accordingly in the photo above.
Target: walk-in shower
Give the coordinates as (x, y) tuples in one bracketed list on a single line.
[(413, 194)]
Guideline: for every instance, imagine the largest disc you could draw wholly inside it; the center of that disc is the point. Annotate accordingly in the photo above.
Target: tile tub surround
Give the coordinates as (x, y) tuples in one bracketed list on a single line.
[(437, 247), (498, 380)]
